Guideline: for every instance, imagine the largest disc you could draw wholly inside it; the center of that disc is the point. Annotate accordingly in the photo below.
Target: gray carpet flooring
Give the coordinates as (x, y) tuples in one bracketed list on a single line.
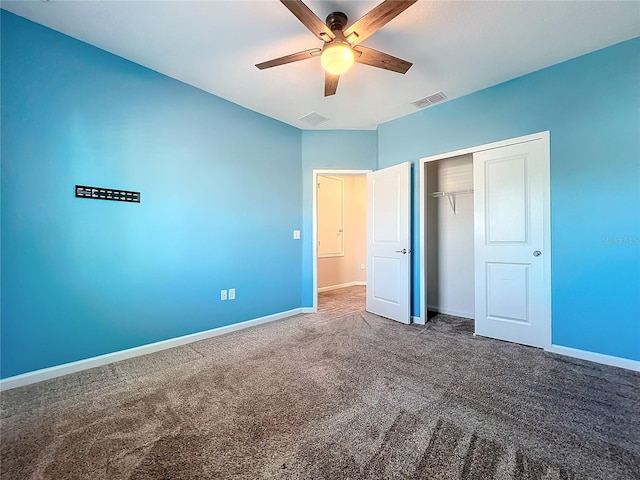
[(340, 394)]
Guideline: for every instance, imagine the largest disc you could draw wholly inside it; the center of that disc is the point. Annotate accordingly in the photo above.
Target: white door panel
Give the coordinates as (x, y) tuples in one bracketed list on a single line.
[(386, 222), (507, 292), (510, 185), (386, 279), (330, 192), (506, 198), (388, 242)]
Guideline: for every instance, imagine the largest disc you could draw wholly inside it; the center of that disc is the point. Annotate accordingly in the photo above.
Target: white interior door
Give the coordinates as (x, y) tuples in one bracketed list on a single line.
[(511, 192), (330, 193), (388, 242)]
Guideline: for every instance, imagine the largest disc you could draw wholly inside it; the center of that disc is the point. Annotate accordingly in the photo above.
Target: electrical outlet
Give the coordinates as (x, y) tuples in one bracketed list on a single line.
[(296, 234), (223, 294), (362, 266), (232, 294)]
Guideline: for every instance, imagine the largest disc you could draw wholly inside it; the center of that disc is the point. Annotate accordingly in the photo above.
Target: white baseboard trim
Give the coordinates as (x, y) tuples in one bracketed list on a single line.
[(67, 368), (417, 320), (446, 311), (342, 285), (596, 357)]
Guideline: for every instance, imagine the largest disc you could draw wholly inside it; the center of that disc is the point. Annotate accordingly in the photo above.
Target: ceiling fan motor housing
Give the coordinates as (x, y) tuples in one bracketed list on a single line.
[(336, 21)]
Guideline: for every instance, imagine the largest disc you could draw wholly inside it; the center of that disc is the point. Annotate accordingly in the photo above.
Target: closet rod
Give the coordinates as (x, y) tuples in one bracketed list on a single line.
[(444, 194)]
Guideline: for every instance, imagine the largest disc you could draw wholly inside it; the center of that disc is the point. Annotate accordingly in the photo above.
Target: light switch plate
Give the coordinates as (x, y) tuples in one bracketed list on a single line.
[(223, 294), (296, 234)]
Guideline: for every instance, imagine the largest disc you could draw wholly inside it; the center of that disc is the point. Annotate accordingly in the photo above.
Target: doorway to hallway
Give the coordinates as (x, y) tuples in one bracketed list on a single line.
[(339, 231)]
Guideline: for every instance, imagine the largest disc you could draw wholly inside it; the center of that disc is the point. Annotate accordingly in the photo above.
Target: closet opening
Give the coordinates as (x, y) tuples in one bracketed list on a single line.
[(449, 237)]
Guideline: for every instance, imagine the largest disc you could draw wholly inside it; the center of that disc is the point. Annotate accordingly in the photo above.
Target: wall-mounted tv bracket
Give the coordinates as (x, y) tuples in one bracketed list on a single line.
[(99, 193)]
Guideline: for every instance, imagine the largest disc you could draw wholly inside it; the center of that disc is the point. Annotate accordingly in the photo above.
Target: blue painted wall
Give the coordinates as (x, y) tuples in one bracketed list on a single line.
[(591, 106), (329, 149), (220, 197)]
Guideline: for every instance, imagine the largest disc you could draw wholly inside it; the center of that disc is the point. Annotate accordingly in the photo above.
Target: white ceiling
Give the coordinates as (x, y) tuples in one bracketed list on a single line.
[(457, 47)]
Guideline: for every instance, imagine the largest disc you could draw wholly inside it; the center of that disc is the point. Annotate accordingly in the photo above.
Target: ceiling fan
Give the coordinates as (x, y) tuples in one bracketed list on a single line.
[(342, 47)]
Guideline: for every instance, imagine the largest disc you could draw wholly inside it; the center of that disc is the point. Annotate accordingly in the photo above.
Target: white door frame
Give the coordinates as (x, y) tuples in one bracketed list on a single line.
[(544, 136), (314, 221)]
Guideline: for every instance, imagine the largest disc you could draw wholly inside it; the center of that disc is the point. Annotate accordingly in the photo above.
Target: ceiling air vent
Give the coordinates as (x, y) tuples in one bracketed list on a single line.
[(430, 100), (314, 119)]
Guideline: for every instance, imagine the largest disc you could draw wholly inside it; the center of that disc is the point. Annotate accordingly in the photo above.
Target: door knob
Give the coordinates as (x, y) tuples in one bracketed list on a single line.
[(404, 250), (537, 253)]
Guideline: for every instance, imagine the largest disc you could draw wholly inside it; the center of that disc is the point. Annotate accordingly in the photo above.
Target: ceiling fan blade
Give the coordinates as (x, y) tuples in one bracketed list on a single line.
[(330, 84), (294, 57), (309, 19), (376, 19), (372, 57)]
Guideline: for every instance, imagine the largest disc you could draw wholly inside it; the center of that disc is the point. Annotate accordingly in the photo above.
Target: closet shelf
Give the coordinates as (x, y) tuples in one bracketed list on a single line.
[(452, 196), (445, 194)]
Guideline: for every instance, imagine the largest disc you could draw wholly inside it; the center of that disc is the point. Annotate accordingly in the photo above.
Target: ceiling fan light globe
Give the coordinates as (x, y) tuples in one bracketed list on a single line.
[(337, 58)]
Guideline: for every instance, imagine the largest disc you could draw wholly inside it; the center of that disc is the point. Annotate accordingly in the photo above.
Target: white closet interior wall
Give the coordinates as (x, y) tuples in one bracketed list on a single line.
[(449, 237)]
